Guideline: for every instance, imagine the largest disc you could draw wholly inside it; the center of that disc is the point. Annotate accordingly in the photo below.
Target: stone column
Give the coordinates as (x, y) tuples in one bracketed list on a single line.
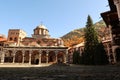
[(114, 53), (108, 52), (47, 57), (66, 56), (114, 58), (14, 57), (107, 48), (40, 31), (112, 42), (14, 53), (30, 57), (56, 52), (44, 32), (2, 57), (39, 57), (23, 54)]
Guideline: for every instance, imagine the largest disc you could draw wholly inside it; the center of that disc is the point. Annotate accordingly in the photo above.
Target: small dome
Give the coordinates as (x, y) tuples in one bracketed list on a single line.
[(41, 26)]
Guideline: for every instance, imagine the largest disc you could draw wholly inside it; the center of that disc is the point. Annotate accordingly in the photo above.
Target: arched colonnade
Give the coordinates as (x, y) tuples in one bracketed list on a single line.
[(33, 56)]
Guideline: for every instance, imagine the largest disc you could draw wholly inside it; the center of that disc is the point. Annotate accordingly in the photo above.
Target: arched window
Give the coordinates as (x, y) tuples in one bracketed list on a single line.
[(38, 42), (110, 45), (15, 39), (10, 39)]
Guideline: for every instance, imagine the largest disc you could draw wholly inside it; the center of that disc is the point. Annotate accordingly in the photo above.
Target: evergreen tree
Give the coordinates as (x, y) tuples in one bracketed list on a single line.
[(76, 57), (100, 56), (91, 40), (92, 45)]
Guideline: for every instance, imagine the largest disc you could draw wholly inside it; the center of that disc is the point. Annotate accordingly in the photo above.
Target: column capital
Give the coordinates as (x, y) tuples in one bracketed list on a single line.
[(39, 58), (23, 51), (40, 51), (56, 51), (30, 57), (30, 51), (47, 55), (47, 51)]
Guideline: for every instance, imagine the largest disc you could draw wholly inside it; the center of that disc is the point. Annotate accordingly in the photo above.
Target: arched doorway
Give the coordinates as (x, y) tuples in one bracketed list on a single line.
[(26, 57), (35, 57), (43, 57), (117, 50), (60, 57), (51, 57), (9, 56), (18, 57)]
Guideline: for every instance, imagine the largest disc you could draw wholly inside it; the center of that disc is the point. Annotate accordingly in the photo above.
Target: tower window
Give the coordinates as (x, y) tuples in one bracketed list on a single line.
[(38, 42), (11, 39), (15, 39)]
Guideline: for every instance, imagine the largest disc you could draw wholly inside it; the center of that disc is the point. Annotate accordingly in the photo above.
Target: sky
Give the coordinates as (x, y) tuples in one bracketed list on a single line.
[(59, 16)]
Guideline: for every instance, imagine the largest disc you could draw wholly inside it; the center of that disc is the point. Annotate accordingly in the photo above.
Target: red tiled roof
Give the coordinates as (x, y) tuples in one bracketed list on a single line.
[(3, 39)]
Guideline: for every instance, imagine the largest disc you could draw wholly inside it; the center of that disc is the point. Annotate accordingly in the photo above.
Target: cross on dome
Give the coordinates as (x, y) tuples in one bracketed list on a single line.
[(41, 26)]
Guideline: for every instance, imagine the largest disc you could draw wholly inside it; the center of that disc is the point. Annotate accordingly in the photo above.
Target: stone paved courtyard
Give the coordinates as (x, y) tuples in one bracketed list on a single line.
[(61, 72)]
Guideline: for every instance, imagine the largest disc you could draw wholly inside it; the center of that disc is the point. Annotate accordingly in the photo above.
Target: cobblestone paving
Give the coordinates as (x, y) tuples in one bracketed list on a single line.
[(56, 72)]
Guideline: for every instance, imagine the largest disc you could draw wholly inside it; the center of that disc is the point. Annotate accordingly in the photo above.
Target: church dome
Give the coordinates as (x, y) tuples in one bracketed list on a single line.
[(41, 26), (41, 32)]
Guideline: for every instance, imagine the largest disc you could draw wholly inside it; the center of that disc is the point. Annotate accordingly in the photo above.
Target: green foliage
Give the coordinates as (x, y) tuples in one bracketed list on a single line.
[(76, 57), (100, 56), (91, 41), (89, 22), (94, 52)]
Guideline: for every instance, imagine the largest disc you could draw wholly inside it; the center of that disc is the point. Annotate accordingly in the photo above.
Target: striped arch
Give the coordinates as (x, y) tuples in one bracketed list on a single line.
[(9, 56), (35, 57), (26, 56), (18, 56), (61, 57), (44, 57), (51, 57)]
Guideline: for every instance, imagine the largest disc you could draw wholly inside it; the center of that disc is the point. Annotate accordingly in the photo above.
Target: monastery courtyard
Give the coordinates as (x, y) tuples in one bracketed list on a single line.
[(60, 72)]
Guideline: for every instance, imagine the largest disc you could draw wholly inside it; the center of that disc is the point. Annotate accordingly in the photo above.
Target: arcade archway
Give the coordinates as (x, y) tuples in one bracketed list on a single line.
[(61, 57), (117, 50), (18, 57), (35, 57), (26, 56), (8, 56), (51, 57), (43, 57)]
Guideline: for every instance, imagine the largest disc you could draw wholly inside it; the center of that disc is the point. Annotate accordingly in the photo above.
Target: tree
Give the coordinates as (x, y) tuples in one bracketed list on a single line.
[(92, 46), (76, 57), (100, 56)]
